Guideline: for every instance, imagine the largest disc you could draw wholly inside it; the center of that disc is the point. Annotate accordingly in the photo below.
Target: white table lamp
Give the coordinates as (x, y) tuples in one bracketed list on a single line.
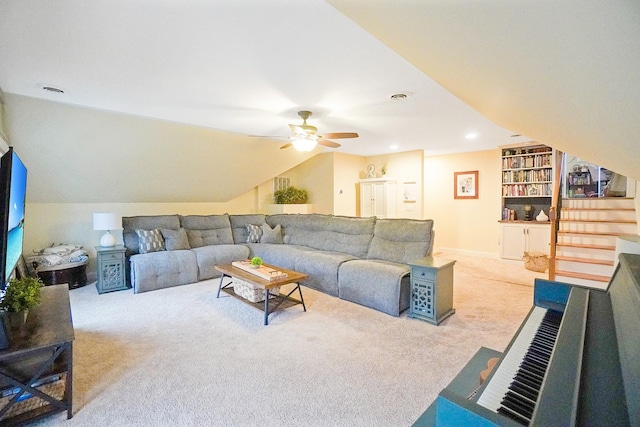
[(107, 221)]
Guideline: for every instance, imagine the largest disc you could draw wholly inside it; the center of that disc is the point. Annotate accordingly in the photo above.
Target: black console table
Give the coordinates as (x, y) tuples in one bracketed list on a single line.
[(36, 370)]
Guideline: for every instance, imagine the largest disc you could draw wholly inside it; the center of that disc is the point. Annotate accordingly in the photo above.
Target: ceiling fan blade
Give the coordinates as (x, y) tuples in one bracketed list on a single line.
[(338, 135), (328, 143), (286, 146)]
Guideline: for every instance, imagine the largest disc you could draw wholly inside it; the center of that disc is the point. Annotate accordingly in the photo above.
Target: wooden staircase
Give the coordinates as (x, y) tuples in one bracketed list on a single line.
[(586, 238)]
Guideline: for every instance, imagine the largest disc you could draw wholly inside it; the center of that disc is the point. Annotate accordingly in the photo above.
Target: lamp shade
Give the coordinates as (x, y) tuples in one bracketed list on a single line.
[(106, 221)]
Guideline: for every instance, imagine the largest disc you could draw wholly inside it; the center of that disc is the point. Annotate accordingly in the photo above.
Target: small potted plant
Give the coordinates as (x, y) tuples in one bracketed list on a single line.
[(19, 296), (291, 195), (256, 262)]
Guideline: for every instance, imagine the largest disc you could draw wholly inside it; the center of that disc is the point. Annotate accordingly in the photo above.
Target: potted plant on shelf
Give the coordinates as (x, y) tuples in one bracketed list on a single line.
[(291, 195), (19, 296)]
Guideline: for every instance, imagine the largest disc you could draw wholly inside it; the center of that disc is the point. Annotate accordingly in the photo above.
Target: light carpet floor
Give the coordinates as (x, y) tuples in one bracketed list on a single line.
[(181, 357)]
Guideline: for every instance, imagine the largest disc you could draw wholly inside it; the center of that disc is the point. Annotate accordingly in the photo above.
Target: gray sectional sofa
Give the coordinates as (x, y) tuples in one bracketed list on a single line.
[(363, 260)]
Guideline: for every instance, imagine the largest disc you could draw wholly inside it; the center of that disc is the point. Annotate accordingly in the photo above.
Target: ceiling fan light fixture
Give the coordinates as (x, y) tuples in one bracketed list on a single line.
[(304, 144)]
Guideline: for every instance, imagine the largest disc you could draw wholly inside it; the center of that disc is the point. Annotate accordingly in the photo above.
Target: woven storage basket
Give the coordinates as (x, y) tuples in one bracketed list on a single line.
[(251, 292), (54, 389), (536, 261)]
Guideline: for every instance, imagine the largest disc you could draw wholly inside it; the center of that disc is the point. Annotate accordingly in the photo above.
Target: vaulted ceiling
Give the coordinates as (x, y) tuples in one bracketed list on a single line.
[(562, 72)]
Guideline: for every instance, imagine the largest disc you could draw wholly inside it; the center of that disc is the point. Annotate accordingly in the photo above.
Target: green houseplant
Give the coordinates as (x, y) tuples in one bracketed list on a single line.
[(19, 296), (291, 195)]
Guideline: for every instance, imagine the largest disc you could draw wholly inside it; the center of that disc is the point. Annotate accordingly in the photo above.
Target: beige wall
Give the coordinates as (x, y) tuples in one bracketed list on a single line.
[(82, 155), (49, 223), (405, 168), (346, 192), (468, 225)]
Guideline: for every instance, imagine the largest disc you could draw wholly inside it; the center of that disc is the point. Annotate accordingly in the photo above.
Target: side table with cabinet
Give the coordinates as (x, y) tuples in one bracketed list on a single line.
[(111, 269), (431, 289)]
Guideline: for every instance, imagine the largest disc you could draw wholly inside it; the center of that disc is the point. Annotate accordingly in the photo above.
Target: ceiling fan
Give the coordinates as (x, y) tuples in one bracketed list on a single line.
[(305, 137)]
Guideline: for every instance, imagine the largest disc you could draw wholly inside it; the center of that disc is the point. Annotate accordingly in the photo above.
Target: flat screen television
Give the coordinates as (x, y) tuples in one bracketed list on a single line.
[(13, 186)]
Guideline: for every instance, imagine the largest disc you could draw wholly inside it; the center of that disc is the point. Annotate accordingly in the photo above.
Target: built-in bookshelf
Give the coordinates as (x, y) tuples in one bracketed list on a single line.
[(527, 180), (527, 172)]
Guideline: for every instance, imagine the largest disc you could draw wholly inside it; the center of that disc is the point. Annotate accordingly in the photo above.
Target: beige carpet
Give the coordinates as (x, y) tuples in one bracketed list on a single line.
[(181, 357)]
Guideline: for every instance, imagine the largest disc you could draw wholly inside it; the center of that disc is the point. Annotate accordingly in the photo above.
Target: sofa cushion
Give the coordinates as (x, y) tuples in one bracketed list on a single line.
[(145, 222), (207, 257), (271, 235), (207, 230), (239, 225), (279, 255), (150, 240), (322, 268), (326, 232), (381, 285), (175, 239), (164, 269), (401, 240)]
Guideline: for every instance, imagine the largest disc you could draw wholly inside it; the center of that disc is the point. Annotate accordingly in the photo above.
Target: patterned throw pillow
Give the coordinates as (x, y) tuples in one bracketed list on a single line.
[(150, 240), (271, 235), (254, 232)]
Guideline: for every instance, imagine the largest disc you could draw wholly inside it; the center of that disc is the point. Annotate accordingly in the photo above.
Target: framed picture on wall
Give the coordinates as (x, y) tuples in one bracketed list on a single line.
[(465, 185)]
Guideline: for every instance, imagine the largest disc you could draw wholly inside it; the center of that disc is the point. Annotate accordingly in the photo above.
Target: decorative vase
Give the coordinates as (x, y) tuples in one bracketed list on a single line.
[(542, 216)]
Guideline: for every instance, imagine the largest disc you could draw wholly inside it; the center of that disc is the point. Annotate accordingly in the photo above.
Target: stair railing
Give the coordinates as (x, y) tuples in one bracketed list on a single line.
[(554, 212)]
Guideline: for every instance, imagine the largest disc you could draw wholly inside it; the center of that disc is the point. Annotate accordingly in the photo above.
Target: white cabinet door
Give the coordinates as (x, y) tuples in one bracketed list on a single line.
[(539, 237), (518, 238), (512, 241), (378, 198), (366, 200)]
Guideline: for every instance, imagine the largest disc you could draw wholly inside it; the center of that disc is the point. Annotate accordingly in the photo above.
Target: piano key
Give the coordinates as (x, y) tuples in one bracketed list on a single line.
[(515, 386), (504, 373)]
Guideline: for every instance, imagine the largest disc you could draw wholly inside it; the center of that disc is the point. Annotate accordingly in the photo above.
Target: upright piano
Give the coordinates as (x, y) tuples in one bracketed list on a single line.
[(575, 360)]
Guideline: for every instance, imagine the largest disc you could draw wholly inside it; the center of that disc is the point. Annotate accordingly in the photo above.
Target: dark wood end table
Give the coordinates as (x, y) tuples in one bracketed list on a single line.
[(41, 354)]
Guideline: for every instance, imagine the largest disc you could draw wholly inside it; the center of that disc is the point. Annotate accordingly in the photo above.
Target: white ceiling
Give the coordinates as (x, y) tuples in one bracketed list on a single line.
[(244, 66), (562, 72)]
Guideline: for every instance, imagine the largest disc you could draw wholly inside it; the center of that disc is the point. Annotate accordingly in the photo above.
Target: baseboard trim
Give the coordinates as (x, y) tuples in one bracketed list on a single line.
[(490, 255)]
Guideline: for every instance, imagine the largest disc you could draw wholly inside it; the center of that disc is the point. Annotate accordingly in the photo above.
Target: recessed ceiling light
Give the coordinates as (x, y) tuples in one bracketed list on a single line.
[(52, 89), (393, 147), (471, 135), (399, 96)]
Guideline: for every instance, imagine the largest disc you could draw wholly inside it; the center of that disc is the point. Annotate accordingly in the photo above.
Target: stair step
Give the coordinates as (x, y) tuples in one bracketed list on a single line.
[(594, 233), (600, 202), (586, 246), (587, 239), (594, 277), (601, 221), (595, 268), (585, 253), (585, 260), (612, 215), (596, 209)]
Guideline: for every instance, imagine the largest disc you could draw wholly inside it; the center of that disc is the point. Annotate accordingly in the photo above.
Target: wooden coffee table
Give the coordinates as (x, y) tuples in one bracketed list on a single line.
[(280, 299)]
